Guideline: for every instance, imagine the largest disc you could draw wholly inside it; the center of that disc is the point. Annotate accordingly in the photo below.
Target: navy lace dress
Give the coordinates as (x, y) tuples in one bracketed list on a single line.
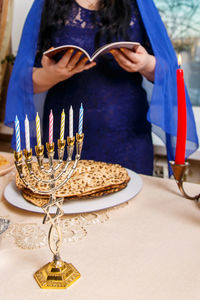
[(115, 104)]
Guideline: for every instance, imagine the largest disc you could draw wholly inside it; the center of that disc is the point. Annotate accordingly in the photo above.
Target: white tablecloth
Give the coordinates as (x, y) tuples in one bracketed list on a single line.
[(147, 249)]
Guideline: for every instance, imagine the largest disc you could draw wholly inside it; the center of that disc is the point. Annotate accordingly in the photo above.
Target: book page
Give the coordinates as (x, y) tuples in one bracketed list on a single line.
[(117, 45), (58, 52)]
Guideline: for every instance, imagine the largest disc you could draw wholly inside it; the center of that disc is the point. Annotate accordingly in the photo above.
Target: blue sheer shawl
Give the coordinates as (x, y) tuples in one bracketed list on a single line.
[(163, 105)]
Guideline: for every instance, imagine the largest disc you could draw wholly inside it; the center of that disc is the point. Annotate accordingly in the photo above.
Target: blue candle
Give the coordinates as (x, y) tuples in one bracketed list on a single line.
[(80, 127), (17, 135)]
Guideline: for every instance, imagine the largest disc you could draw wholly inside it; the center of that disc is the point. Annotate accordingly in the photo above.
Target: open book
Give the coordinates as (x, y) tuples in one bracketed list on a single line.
[(58, 52)]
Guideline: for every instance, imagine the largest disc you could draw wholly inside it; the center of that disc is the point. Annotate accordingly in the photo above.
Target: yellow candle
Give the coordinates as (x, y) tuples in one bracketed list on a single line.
[(37, 120), (62, 125)]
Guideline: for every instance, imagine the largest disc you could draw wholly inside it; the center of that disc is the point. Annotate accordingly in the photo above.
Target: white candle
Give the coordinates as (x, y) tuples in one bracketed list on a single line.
[(27, 134), (71, 122)]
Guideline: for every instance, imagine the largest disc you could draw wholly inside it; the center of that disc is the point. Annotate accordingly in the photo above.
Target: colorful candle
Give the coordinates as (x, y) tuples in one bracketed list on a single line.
[(27, 133), (80, 127), (71, 122), (62, 126), (17, 135), (182, 117), (37, 120), (51, 128)]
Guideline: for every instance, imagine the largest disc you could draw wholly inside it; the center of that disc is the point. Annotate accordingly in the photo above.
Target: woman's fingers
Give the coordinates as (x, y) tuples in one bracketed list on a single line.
[(70, 64), (74, 60), (138, 61), (90, 65), (46, 61), (123, 61), (132, 56), (77, 65), (81, 65), (63, 62), (129, 60), (69, 61)]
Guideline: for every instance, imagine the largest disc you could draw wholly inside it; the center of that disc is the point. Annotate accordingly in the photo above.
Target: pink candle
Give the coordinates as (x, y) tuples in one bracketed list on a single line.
[(51, 128)]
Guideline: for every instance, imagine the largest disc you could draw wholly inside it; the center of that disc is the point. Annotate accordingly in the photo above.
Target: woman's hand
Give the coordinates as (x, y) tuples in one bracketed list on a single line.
[(136, 61), (53, 72)]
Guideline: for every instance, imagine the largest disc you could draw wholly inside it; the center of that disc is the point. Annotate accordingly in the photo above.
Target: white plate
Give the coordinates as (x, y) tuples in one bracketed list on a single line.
[(14, 197)]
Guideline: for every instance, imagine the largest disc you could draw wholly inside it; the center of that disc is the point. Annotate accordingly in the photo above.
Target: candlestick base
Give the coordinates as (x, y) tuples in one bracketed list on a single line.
[(56, 275), (178, 172)]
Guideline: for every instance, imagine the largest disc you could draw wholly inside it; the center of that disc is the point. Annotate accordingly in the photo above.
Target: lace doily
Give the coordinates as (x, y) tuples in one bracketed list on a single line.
[(34, 235)]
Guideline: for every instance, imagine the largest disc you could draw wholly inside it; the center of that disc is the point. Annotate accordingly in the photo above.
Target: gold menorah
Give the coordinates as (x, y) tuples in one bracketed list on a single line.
[(56, 274)]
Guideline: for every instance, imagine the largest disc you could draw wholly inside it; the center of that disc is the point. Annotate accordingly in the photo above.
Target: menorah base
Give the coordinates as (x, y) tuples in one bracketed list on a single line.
[(59, 275)]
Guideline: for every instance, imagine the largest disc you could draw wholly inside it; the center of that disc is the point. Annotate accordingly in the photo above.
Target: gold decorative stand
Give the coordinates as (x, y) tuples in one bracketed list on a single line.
[(56, 274), (178, 172)]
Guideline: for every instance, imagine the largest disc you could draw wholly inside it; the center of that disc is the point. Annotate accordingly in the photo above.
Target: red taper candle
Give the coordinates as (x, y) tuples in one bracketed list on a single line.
[(182, 116)]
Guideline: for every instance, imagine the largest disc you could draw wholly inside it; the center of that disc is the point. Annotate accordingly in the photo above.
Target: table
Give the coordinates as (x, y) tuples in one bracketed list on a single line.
[(148, 248)]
